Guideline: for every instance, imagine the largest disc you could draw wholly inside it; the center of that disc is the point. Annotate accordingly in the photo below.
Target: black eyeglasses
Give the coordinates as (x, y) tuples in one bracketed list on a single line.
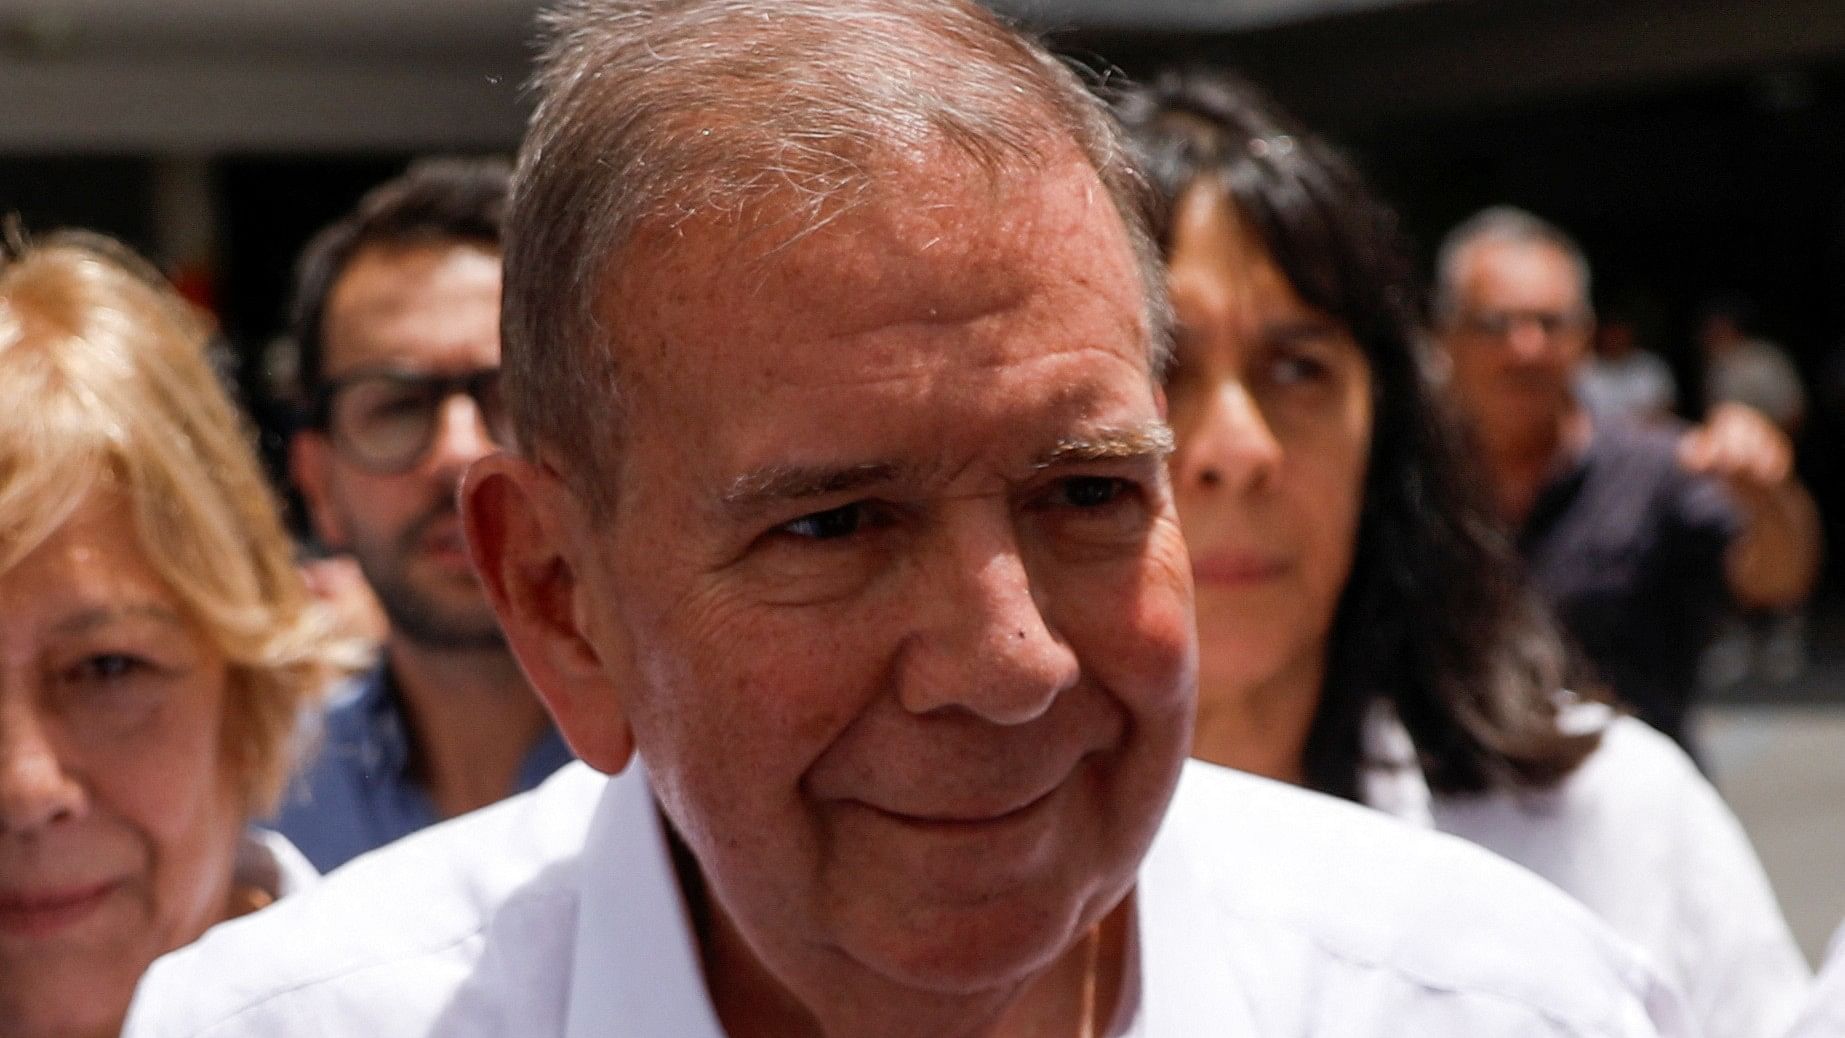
[(385, 421)]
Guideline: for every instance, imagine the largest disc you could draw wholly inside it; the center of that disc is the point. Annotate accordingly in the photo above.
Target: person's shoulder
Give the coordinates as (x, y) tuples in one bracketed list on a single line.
[(1424, 911), (1824, 1013), (1616, 831), (396, 934), (1634, 760)]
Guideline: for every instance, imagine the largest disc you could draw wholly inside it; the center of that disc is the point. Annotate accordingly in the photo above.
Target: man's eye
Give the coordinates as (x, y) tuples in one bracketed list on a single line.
[(1090, 491), (832, 524)]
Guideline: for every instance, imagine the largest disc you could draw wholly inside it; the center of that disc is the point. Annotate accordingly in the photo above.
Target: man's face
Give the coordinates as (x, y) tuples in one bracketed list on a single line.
[(417, 311), (1520, 331), (894, 596)]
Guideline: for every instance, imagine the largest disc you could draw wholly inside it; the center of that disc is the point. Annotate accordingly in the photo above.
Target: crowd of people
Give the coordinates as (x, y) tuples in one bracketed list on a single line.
[(862, 535)]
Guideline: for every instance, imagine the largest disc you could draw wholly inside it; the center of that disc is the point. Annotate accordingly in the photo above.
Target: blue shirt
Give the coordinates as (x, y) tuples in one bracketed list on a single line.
[(357, 792)]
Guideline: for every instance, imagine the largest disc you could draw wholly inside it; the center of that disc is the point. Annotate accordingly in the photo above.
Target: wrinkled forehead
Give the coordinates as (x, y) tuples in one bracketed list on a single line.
[(941, 245)]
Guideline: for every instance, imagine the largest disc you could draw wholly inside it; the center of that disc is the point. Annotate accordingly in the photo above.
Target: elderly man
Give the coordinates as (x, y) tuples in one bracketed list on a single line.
[(397, 309), (1641, 536), (839, 533)]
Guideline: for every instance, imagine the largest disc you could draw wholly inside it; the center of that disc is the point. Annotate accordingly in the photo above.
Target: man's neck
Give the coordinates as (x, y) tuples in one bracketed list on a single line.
[(1076, 996), (1263, 730), (471, 718), (1521, 462)]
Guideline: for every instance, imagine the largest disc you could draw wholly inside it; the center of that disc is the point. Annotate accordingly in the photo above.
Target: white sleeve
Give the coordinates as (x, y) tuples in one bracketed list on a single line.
[(1746, 977), (1825, 1012)]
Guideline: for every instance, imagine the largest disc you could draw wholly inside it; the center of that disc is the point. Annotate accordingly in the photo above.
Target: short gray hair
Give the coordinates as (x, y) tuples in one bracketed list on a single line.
[(650, 111), (1505, 224)]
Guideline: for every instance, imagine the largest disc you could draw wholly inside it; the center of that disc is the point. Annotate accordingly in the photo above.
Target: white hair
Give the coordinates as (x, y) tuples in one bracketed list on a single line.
[(1508, 225), (650, 111)]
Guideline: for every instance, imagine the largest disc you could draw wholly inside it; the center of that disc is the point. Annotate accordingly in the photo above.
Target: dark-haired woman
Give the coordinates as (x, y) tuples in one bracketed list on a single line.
[(1362, 627)]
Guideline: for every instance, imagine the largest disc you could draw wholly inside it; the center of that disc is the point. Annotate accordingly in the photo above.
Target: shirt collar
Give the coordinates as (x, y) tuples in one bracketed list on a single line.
[(1186, 983), (637, 957), (271, 864)]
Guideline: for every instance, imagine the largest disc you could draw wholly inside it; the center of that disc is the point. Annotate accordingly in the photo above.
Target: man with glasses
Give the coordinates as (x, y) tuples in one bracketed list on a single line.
[(1642, 537), (397, 321)]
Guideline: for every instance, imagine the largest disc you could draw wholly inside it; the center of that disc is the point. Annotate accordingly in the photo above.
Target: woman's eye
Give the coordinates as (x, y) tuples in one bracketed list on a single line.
[(1295, 369), (832, 524), (110, 666)]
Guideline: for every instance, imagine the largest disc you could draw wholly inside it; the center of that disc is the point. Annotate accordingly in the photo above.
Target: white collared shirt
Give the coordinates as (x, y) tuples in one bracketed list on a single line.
[(1260, 910), (268, 861), (1641, 838), (1824, 1016)]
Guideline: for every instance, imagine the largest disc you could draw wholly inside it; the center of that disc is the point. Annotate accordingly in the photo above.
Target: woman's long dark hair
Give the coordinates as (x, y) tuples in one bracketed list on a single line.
[(1435, 617)]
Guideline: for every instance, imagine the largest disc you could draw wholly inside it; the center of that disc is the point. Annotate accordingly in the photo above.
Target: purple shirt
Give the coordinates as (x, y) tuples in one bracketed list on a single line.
[(1629, 549)]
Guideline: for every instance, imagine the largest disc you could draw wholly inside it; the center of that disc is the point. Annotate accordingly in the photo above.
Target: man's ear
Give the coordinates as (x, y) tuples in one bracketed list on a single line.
[(309, 463), (523, 530)]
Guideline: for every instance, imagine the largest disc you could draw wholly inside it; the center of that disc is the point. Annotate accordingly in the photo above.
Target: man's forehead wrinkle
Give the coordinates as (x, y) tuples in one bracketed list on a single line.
[(952, 219)]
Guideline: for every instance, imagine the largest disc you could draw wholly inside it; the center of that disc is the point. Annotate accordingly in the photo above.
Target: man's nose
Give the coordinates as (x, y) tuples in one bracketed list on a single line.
[(992, 650), (1529, 341), (461, 434), (1231, 445), (36, 788)]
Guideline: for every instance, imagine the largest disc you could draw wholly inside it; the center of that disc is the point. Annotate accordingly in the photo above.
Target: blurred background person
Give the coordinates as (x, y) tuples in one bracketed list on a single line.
[(1621, 380), (1741, 367), (1641, 537), (396, 321), (156, 643), (1362, 627)]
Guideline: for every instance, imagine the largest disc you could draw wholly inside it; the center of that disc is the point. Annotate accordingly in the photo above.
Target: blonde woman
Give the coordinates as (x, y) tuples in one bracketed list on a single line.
[(156, 641)]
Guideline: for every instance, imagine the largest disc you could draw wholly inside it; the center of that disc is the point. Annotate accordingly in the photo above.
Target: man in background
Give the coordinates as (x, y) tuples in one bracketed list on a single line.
[(1642, 537), (396, 319)]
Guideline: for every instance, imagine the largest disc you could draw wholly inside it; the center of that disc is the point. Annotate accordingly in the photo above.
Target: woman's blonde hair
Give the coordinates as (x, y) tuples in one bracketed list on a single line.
[(108, 386)]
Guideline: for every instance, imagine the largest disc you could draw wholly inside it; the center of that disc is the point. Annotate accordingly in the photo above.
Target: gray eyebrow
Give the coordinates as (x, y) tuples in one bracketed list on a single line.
[(1149, 440), (102, 616), (758, 490), (754, 491)]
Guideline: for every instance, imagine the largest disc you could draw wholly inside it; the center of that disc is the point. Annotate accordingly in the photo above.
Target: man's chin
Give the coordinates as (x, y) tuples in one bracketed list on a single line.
[(961, 951), (472, 629)]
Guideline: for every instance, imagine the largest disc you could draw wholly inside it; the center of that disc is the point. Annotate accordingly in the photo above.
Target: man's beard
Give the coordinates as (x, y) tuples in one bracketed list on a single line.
[(414, 613)]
